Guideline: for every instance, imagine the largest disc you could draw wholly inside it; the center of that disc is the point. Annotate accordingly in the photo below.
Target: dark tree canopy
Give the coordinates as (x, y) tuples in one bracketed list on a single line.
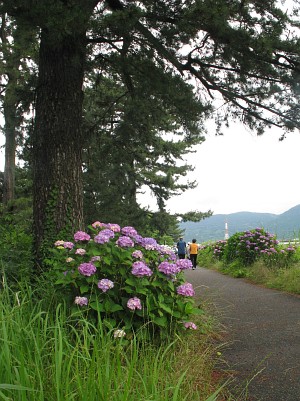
[(241, 55)]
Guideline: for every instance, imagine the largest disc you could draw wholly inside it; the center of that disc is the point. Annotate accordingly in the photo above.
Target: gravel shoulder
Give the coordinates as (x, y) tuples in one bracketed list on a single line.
[(261, 332)]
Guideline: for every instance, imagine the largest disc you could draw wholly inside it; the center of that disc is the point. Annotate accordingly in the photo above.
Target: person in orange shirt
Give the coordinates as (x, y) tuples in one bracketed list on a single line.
[(193, 251)]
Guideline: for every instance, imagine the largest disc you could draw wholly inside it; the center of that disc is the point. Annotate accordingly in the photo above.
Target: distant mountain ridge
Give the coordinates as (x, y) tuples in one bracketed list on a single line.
[(285, 226)]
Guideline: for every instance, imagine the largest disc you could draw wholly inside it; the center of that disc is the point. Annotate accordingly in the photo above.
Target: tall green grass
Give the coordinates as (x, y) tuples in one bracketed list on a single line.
[(48, 355)]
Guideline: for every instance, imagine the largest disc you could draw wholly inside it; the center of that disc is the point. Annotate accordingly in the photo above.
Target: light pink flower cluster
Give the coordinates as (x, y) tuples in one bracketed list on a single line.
[(105, 284), (81, 236), (190, 325), (59, 243), (140, 269), (95, 258), (137, 254), (97, 224), (80, 251), (81, 301), (87, 269), (186, 290), (114, 227), (134, 303)]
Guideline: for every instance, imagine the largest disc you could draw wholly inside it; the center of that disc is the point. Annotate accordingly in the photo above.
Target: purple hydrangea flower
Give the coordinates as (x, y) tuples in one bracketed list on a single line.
[(184, 264), (173, 257), (81, 301), (140, 269), (129, 231), (125, 242), (81, 236), (190, 325), (107, 233), (134, 303), (149, 243), (169, 269), (138, 239), (68, 245), (87, 269), (101, 239), (186, 290), (137, 254), (105, 284)]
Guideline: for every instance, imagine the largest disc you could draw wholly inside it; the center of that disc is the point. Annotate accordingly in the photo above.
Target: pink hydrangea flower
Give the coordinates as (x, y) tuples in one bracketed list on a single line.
[(190, 325), (59, 243), (97, 224), (134, 303), (81, 236), (114, 227)]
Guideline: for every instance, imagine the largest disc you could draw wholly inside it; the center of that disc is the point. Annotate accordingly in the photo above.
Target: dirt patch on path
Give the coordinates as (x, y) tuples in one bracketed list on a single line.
[(262, 335)]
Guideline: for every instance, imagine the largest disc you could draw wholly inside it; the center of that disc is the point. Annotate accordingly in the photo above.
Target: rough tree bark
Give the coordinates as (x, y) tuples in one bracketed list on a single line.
[(10, 151), (57, 140)]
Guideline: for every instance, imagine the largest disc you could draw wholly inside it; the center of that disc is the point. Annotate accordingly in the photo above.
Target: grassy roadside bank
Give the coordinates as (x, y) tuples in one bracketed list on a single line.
[(282, 279), (46, 354)]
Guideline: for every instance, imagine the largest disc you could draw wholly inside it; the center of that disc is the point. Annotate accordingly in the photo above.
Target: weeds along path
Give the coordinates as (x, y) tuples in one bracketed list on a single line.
[(261, 335)]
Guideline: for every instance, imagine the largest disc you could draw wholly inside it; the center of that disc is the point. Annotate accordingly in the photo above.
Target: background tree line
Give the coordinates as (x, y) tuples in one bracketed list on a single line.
[(105, 98)]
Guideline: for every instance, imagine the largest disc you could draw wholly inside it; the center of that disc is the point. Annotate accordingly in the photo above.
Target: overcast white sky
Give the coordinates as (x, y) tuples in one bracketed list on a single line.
[(242, 172), (238, 172)]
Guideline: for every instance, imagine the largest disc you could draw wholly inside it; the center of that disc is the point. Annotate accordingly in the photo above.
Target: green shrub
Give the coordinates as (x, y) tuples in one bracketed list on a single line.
[(235, 269), (16, 240), (206, 256), (131, 281)]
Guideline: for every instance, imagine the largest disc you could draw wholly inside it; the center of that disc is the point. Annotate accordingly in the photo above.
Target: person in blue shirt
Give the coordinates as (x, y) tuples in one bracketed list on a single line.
[(181, 247)]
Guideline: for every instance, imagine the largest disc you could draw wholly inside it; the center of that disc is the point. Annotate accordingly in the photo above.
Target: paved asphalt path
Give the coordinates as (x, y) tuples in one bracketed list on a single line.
[(261, 335)]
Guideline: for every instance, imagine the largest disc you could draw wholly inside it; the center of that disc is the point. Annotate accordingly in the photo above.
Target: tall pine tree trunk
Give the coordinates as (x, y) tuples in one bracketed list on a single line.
[(57, 140), (10, 150)]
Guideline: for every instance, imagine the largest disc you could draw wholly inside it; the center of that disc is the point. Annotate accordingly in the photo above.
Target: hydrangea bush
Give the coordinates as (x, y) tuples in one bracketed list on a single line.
[(128, 280), (219, 248), (279, 257), (248, 246)]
